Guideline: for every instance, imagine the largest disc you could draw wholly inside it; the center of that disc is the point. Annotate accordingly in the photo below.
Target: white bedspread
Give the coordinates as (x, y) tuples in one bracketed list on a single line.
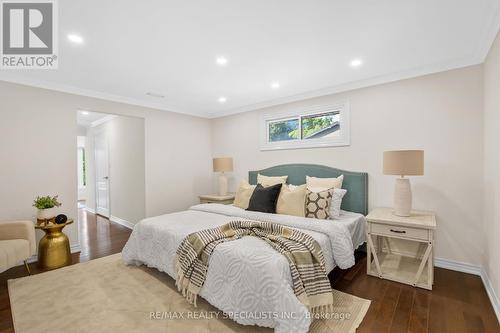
[(246, 277)]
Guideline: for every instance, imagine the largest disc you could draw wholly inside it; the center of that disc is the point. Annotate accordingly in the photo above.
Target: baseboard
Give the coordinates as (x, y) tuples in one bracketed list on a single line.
[(476, 270), (123, 222), (458, 266), (73, 248), (32, 259), (495, 301), (90, 210)]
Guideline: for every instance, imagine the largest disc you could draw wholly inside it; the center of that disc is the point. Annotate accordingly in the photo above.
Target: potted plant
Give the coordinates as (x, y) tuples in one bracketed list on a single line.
[(46, 207)]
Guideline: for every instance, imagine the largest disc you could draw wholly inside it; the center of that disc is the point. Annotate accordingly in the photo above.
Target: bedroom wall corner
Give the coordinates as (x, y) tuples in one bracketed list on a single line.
[(441, 113), (491, 182)]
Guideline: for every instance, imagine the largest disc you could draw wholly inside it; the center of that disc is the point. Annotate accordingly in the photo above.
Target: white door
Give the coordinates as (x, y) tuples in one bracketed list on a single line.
[(102, 174)]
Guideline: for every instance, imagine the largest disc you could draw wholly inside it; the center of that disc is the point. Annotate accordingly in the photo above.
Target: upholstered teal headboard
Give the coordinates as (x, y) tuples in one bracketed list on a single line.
[(356, 183)]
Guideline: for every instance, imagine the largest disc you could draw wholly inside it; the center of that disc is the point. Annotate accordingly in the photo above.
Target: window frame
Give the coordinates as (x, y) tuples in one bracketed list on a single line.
[(343, 139)]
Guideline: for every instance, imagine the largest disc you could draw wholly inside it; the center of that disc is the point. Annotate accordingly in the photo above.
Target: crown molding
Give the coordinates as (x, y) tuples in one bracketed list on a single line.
[(374, 81), (478, 56), (378, 80), (103, 120), (490, 31), (64, 88)]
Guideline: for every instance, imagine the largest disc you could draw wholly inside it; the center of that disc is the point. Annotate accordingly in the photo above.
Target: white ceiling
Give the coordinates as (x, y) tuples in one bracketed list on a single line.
[(169, 48)]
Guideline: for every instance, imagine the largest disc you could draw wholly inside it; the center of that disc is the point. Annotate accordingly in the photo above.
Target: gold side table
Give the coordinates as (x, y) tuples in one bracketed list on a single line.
[(53, 248)]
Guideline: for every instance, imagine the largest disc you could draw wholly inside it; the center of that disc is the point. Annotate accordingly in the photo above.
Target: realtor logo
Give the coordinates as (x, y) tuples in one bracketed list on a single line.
[(29, 34)]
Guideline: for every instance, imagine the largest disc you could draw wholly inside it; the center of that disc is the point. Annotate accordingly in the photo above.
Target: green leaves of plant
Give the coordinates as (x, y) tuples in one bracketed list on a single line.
[(46, 202)]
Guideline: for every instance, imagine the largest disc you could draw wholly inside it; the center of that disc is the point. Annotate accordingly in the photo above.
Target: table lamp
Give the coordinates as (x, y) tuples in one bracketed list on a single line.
[(223, 164), (403, 163)]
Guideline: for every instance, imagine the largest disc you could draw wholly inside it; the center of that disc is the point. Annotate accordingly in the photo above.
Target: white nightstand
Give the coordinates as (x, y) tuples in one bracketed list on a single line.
[(419, 227), (215, 198)]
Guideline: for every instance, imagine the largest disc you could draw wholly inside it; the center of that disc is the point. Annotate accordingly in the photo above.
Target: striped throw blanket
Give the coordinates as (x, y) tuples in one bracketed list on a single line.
[(304, 255)]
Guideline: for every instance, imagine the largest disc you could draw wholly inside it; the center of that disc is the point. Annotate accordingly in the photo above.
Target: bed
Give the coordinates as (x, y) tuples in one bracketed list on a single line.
[(247, 279)]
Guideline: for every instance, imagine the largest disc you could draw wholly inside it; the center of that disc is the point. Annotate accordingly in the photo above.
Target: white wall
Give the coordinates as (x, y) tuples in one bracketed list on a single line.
[(81, 130), (440, 113), (37, 147), (492, 166), (125, 137)]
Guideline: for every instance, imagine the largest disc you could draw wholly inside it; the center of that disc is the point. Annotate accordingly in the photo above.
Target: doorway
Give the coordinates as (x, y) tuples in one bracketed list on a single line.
[(111, 167)]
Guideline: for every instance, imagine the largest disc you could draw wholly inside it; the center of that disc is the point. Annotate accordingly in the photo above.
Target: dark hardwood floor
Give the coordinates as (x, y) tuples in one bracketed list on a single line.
[(458, 303), (99, 238)]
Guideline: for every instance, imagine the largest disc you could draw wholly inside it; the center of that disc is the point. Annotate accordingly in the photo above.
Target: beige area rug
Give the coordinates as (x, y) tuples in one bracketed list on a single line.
[(105, 295)]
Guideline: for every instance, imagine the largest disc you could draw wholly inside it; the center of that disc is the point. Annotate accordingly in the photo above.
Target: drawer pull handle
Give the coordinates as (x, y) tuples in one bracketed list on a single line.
[(398, 231)]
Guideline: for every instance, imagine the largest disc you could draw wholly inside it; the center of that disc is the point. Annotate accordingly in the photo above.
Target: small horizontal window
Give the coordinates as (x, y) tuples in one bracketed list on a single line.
[(319, 126), (284, 130)]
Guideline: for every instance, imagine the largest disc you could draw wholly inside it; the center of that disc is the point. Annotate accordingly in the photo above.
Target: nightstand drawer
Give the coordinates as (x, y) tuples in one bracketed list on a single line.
[(224, 202), (215, 198), (395, 231)]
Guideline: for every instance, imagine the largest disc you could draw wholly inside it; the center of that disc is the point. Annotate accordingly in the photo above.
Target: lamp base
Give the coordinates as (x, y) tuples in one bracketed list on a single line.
[(222, 184), (402, 197)]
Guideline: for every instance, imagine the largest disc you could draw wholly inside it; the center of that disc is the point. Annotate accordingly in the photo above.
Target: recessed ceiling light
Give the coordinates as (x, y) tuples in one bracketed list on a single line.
[(75, 39), (222, 99), (356, 62), (85, 113), (221, 61), (275, 85)]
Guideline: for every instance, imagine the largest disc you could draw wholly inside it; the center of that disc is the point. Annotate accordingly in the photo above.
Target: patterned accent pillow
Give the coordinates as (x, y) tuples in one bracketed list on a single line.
[(338, 195), (318, 204)]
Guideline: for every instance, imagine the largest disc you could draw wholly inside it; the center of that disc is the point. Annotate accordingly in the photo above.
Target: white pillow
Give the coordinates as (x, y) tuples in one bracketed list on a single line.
[(338, 195), (324, 183), (270, 181), (243, 195), (292, 200)]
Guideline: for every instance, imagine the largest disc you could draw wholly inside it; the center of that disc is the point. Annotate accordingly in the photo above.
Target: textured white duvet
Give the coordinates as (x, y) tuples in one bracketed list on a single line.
[(246, 277)]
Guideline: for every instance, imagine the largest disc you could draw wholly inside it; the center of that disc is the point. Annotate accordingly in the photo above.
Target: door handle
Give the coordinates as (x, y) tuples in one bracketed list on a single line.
[(105, 177)]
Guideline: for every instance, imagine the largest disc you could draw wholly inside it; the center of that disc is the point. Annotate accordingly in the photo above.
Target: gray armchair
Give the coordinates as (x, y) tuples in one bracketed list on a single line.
[(17, 243)]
